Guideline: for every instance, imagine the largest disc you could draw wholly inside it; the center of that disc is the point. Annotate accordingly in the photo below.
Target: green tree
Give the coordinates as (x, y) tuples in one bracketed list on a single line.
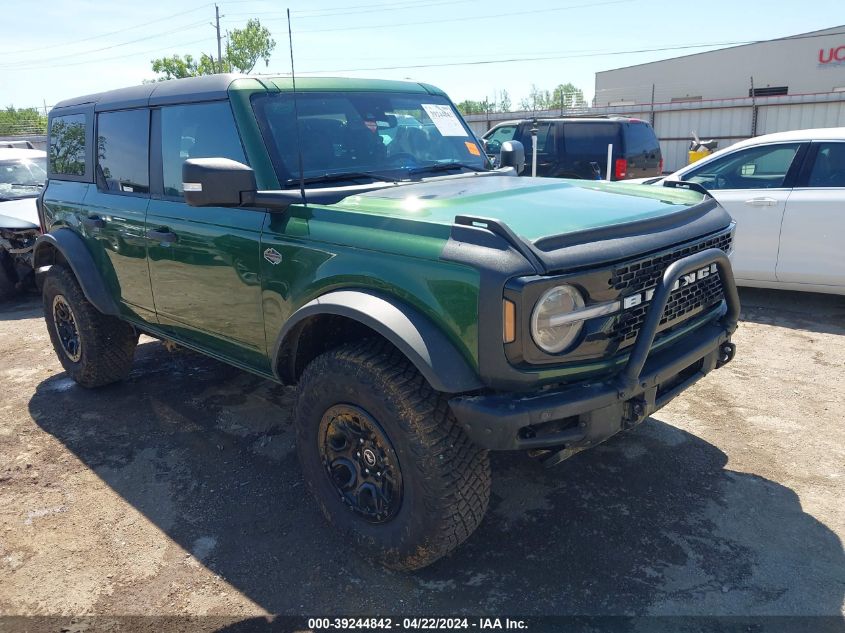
[(18, 121), (178, 67), (469, 106), (243, 50), (568, 96), (537, 99), (564, 96), (501, 103), (504, 104), (247, 45)]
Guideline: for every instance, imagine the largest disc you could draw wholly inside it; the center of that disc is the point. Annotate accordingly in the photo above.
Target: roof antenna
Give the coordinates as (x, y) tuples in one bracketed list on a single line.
[(296, 114)]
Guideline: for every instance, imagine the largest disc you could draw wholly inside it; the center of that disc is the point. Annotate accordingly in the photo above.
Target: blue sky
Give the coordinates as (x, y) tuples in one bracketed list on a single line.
[(65, 48)]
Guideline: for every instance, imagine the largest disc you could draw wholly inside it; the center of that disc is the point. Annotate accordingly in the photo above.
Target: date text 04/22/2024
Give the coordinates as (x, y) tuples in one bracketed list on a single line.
[(416, 624)]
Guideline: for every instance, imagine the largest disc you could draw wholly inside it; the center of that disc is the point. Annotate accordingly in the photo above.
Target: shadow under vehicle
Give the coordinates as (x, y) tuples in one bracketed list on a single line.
[(650, 523)]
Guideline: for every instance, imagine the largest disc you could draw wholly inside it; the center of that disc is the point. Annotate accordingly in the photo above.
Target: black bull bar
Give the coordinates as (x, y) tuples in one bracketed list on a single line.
[(593, 411)]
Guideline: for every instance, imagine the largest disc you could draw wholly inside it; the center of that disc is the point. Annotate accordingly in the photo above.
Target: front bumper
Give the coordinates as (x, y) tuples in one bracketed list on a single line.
[(574, 417)]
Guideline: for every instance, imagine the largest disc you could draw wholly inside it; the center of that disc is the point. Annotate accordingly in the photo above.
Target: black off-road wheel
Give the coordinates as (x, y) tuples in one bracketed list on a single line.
[(384, 457), (95, 349), (8, 278)]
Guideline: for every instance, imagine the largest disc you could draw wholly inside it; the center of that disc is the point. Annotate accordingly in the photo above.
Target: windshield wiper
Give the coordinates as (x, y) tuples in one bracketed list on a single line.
[(349, 175), (26, 184), (443, 167)]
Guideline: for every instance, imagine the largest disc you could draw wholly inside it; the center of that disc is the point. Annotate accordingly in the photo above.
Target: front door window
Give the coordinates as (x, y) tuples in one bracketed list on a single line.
[(763, 167)]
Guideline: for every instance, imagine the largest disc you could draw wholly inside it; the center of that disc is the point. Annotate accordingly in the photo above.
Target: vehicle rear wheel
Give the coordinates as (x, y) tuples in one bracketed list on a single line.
[(384, 457), (95, 349), (8, 278)]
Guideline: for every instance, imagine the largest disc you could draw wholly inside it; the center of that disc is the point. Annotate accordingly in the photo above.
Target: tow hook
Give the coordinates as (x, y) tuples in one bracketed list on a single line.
[(635, 413), (726, 354)]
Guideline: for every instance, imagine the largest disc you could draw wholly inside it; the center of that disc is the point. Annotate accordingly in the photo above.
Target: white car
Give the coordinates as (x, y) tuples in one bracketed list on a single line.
[(22, 176), (786, 192)]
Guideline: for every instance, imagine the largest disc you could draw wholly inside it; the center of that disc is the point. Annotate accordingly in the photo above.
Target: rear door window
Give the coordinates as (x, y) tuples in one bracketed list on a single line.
[(545, 137), (829, 167), (123, 140), (641, 139), (591, 139), (67, 145)]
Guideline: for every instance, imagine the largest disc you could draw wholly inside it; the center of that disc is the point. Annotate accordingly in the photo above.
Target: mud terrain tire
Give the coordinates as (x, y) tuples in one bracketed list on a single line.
[(444, 478), (95, 349)]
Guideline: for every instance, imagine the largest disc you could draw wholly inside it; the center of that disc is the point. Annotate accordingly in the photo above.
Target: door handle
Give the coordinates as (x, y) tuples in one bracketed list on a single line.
[(93, 222), (761, 202), (163, 236)]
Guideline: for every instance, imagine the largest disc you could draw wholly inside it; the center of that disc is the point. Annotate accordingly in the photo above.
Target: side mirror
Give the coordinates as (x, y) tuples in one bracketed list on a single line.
[(513, 155), (218, 182)]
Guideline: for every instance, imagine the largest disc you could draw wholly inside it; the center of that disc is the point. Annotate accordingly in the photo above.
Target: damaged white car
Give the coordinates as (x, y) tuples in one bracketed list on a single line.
[(22, 176)]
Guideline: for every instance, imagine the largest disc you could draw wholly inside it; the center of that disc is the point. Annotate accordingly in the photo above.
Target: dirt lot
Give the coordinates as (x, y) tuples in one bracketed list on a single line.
[(178, 492)]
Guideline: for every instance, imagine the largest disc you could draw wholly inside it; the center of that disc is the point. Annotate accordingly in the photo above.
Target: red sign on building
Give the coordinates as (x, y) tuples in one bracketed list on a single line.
[(832, 55)]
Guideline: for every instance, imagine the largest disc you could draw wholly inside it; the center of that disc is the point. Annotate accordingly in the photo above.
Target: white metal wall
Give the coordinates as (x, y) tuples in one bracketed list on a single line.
[(705, 122), (783, 118), (801, 63)]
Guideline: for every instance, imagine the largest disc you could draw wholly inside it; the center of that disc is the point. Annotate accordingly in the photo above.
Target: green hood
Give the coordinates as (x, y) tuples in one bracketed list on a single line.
[(533, 208)]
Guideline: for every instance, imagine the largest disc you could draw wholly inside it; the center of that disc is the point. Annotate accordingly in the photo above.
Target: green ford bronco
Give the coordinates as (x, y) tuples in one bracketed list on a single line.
[(351, 238)]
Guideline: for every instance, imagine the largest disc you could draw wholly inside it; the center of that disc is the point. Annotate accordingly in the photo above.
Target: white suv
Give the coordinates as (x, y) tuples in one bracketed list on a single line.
[(786, 192)]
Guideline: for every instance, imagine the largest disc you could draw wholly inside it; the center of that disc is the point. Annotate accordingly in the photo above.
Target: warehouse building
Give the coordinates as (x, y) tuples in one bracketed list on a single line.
[(807, 63), (798, 83)]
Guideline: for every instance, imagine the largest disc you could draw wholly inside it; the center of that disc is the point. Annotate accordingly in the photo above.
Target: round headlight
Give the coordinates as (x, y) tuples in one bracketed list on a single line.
[(548, 332)]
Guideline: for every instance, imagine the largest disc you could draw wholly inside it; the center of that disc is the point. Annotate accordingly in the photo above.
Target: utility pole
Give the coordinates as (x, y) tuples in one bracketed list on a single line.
[(651, 117), (216, 25), (753, 95)]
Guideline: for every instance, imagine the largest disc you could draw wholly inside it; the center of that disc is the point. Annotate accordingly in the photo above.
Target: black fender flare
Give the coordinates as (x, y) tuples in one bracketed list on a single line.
[(72, 247), (426, 346)]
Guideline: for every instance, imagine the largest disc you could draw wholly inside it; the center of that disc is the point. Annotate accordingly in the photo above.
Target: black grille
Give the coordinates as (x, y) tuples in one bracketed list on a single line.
[(645, 273), (684, 303)]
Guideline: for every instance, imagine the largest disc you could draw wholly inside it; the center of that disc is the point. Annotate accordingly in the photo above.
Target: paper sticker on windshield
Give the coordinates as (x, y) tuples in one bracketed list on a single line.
[(444, 119)]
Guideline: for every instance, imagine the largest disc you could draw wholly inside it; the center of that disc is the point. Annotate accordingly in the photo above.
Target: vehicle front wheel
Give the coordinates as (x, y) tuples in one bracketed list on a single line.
[(384, 457), (95, 349)]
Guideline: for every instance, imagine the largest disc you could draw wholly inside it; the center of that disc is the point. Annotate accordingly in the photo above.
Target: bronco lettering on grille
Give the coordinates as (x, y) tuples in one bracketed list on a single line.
[(687, 280)]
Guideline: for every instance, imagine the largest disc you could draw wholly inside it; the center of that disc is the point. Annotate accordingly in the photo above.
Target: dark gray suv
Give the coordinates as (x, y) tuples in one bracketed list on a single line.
[(577, 147)]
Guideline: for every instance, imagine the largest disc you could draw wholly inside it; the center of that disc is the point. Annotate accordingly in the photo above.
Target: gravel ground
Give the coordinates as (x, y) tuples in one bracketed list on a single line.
[(178, 492)]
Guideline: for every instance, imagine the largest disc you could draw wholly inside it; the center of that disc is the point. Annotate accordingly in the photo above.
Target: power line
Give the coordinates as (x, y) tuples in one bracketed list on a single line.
[(569, 55), (181, 28), (464, 19), (91, 61), (94, 37), (360, 6), (542, 57), (322, 13)]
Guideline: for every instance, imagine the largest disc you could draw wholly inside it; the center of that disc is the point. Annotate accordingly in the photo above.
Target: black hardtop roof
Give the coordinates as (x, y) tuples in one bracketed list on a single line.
[(213, 87), (577, 119), (204, 88)]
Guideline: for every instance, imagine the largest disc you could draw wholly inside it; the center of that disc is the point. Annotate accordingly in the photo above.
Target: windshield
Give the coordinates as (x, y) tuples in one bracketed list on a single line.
[(22, 177), (372, 134)]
